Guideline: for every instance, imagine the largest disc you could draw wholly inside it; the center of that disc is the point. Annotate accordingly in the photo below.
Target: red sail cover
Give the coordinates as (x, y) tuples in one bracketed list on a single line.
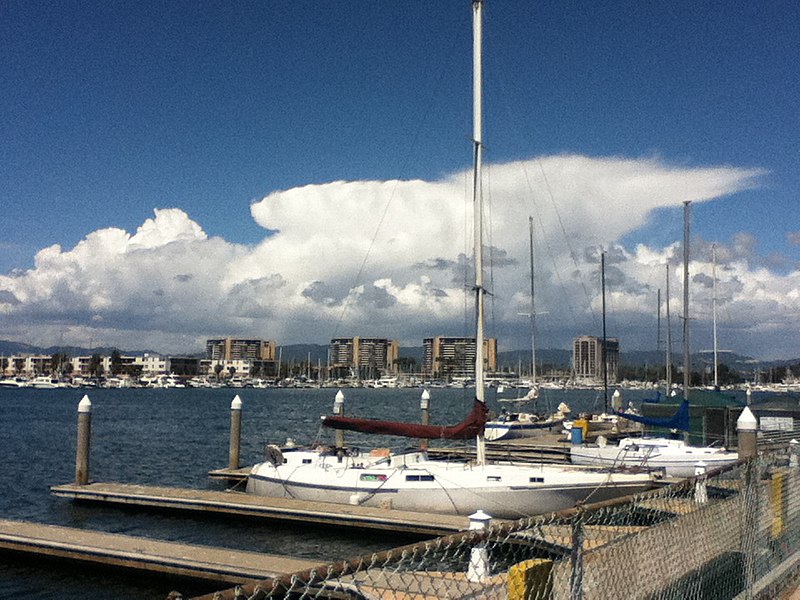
[(468, 428)]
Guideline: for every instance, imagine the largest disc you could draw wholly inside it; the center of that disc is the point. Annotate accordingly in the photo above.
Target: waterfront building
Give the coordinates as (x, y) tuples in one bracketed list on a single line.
[(363, 358), (240, 349), (588, 356), (242, 357), (449, 357)]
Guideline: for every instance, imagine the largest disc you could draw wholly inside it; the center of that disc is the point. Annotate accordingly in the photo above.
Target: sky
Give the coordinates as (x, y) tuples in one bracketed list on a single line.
[(298, 170)]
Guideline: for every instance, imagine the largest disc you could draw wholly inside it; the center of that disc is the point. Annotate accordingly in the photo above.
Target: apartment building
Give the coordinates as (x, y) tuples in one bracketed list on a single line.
[(363, 358), (588, 356), (448, 357)]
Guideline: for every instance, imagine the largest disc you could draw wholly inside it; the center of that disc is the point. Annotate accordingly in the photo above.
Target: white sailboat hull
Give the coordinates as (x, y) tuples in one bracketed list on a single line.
[(511, 430), (672, 457), (414, 483)]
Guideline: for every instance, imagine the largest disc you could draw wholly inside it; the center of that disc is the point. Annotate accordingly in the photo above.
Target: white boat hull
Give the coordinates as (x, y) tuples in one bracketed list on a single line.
[(414, 483), (670, 456), (497, 430)]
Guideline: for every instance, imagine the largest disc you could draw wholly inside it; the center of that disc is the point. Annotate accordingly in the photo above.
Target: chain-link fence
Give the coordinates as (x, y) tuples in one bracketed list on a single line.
[(732, 533)]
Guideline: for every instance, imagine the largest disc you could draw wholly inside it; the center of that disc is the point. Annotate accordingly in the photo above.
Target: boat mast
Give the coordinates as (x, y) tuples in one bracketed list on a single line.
[(668, 375), (605, 340), (533, 309), (687, 367), (714, 309), (477, 206)]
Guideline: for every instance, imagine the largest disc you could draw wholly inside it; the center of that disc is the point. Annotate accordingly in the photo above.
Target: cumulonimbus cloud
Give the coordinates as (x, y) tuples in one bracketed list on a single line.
[(386, 258)]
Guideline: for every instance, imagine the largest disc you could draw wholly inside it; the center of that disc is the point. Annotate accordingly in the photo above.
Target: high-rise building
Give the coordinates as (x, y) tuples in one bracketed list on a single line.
[(455, 356), (587, 358), (364, 358), (239, 349)]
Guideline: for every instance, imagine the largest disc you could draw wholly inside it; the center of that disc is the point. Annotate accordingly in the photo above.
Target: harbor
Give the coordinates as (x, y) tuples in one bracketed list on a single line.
[(161, 430)]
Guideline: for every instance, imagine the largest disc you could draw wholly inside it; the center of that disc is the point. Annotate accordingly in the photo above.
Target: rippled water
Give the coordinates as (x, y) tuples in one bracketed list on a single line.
[(174, 437)]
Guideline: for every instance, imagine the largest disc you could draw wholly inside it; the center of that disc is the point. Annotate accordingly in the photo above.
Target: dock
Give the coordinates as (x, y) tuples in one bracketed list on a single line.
[(219, 565), (247, 505)]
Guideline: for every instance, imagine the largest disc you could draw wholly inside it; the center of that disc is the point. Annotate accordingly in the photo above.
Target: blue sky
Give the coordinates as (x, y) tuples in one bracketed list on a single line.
[(113, 110)]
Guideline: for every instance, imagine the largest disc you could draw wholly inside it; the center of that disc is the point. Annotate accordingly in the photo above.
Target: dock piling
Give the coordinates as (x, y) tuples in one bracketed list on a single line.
[(84, 435), (478, 569), (747, 429), (236, 433), (338, 410), (424, 405)]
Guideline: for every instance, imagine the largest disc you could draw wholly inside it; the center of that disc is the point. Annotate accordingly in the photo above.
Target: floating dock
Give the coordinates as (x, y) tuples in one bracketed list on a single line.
[(248, 505), (220, 565)]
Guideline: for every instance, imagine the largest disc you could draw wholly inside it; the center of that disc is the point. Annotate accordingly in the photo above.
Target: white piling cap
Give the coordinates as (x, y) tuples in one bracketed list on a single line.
[(425, 400), (236, 404), (85, 405), (479, 520), (746, 421), (339, 396), (617, 394)]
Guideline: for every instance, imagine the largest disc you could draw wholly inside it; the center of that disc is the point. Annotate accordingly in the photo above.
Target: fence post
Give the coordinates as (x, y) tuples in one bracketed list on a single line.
[(793, 452), (749, 526), (478, 568), (236, 433), (84, 438), (576, 558)]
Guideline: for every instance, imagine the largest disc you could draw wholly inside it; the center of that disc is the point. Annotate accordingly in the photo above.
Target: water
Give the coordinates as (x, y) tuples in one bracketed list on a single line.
[(174, 437)]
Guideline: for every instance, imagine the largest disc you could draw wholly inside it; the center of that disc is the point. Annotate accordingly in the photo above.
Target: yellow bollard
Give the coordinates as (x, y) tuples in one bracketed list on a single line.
[(776, 504), (530, 580)]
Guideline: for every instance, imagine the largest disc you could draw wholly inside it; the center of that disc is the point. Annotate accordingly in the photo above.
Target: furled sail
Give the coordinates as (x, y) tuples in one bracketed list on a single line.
[(468, 428), (680, 420)]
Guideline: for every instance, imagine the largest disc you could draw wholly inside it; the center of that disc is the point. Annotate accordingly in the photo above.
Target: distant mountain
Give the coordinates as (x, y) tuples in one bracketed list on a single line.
[(8, 348)]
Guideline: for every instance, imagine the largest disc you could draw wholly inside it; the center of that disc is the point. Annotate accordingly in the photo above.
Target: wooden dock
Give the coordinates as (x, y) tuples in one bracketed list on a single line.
[(247, 505), (220, 565)]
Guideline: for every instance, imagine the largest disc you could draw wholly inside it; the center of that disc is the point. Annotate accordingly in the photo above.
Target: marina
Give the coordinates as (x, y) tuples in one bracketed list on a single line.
[(172, 442)]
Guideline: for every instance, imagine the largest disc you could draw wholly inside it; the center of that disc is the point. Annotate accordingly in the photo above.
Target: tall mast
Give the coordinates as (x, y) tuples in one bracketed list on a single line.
[(533, 308), (668, 377), (687, 367), (477, 206), (605, 341), (714, 309)]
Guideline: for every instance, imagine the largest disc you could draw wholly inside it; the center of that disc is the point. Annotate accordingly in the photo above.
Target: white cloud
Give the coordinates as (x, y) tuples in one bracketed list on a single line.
[(169, 286)]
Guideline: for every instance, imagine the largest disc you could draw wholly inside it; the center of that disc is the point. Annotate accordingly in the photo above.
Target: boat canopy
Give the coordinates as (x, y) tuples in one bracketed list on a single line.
[(680, 420), (468, 428)]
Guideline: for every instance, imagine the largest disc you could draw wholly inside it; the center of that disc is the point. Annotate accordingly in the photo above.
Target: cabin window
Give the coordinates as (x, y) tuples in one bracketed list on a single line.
[(419, 477), (372, 477), (536, 479), (494, 478), (306, 461)]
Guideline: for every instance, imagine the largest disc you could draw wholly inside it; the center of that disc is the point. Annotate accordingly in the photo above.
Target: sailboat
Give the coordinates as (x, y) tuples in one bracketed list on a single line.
[(410, 480), (674, 457), (510, 425)]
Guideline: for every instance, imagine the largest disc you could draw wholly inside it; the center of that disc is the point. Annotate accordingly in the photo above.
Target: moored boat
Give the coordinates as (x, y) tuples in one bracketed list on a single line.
[(672, 456), (411, 480)]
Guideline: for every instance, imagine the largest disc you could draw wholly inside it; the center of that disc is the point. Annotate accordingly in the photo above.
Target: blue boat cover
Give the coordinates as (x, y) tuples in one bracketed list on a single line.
[(680, 420)]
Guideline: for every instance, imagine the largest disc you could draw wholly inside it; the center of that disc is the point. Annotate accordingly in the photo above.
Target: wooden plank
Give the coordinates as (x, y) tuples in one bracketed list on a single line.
[(220, 565), (240, 503)]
